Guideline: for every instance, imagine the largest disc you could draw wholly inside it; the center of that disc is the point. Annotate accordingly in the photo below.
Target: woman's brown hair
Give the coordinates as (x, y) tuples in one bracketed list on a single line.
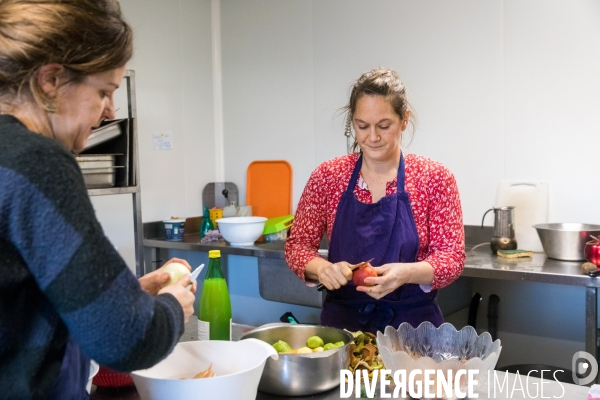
[(85, 36), (378, 82)]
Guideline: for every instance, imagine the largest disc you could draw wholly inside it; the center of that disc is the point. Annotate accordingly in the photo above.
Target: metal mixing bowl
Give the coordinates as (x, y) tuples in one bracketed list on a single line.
[(566, 240), (302, 374)]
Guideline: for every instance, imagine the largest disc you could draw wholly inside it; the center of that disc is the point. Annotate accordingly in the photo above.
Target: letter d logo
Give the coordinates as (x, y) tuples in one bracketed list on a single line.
[(580, 366)]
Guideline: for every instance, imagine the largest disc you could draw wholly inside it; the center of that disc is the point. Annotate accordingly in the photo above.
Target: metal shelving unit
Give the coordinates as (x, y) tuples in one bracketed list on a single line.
[(135, 189)]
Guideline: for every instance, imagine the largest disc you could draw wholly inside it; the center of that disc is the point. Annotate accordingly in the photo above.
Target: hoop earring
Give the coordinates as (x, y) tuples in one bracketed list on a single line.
[(50, 107)]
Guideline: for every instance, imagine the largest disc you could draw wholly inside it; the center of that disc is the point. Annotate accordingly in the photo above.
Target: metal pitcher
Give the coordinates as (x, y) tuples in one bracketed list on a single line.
[(504, 228)]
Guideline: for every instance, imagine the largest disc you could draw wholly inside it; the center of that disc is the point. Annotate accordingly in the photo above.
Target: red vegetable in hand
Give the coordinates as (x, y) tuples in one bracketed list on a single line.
[(359, 275), (592, 251)]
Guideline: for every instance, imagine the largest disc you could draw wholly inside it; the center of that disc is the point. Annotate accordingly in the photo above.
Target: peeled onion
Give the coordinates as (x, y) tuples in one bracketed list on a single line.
[(176, 270)]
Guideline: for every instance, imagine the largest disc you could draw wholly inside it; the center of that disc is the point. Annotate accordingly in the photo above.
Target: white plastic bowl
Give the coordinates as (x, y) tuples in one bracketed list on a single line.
[(94, 368), (238, 367), (241, 231)]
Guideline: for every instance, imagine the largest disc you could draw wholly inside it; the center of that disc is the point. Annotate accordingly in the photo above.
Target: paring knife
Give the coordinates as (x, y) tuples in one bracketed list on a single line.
[(194, 276), (321, 287)]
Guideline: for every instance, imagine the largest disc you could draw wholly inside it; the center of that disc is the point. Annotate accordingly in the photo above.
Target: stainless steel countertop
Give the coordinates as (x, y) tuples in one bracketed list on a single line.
[(192, 243), (480, 263)]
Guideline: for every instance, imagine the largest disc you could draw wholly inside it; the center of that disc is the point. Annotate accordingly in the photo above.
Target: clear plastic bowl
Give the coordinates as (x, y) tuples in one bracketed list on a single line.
[(444, 348)]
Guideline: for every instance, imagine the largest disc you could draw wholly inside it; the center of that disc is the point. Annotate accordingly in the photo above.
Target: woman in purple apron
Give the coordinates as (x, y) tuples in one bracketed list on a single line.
[(386, 232), (413, 232)]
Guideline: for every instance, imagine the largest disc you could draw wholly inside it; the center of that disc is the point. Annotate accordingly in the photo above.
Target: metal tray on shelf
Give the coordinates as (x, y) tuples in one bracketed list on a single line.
[(123, 148), (98, 170), (106, 132), (96, 178), (87, 161)]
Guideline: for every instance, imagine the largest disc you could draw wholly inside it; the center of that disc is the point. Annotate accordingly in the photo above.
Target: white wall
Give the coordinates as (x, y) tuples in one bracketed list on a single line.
[(503, 90), (552, 101), (172, 62), (174, 93), (268, 87)]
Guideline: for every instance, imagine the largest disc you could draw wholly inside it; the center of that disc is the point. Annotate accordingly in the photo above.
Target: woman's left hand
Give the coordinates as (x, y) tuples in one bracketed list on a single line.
[(155, 280), (391, 276)]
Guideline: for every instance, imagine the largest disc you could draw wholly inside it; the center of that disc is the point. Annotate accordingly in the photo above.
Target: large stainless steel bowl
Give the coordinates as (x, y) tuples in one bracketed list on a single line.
[(566, 240), (302, 374)]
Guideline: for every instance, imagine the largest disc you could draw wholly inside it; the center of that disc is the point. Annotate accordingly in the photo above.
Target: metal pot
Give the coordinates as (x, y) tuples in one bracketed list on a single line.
[(302, 374), (566, 241)]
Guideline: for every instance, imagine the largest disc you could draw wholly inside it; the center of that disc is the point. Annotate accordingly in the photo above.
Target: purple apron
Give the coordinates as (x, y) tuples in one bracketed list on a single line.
[(385, 231), (74, 375)]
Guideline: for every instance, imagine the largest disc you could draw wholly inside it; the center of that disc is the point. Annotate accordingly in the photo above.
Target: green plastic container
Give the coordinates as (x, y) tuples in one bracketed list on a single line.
[(277, 228)]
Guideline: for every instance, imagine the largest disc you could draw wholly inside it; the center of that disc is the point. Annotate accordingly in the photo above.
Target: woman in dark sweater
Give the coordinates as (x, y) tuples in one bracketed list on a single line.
[(65, 293)]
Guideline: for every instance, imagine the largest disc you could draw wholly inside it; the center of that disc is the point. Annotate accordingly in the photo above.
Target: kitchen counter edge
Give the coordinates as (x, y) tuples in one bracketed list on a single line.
[(480, 262)]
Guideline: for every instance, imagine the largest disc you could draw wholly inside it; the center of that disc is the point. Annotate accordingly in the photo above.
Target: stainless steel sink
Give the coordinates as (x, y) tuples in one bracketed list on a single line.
[(277, 282)]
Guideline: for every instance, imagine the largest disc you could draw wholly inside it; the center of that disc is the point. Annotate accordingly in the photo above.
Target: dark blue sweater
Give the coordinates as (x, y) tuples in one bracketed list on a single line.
[(60, 275)]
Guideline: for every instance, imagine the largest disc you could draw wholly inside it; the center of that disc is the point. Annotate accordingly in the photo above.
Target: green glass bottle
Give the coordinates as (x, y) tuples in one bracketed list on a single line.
[(214, 315), (206, 224)]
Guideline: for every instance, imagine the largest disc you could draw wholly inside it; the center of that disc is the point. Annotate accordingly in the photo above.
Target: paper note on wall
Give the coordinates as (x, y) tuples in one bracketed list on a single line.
[(162, 141)]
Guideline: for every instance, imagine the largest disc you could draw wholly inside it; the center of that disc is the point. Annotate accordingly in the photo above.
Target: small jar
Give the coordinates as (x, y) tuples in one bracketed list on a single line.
[(174, 229)]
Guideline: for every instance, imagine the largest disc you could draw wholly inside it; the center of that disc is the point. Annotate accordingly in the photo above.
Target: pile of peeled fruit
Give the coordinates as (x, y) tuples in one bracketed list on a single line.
[(313, 344)]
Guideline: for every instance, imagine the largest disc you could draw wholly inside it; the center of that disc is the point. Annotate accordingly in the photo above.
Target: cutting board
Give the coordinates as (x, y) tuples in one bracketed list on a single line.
[(530, 199), (269, 188)]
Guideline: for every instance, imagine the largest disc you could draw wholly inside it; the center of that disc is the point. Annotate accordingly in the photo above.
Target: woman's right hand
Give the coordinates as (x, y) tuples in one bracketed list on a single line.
[(334, 276), (184, 296)]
